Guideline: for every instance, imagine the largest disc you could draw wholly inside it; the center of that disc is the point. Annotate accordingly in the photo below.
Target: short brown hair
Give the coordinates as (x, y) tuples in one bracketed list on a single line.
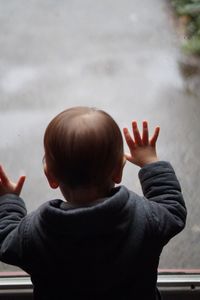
[(83, 146)]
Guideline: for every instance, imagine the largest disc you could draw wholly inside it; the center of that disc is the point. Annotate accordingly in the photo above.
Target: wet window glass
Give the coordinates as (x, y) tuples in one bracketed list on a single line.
[(125, 57)]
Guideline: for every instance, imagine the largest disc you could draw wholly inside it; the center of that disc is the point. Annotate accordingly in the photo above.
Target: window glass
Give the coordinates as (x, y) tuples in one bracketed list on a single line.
[(120, 56)]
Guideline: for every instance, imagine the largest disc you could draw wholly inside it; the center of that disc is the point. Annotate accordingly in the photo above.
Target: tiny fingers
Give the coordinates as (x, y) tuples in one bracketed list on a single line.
[(137, 140), (136, 134), (128, 138), (145, 133), (155, 136), (19, 185), (3, 176)]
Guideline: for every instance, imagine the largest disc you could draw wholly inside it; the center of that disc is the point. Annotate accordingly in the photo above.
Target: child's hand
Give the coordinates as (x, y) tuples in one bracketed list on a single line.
[(142, 149), (9, 187)]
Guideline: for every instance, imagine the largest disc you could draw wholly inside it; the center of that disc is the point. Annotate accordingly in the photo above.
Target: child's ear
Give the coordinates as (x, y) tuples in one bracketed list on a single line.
[(54, 184), (117, 176)]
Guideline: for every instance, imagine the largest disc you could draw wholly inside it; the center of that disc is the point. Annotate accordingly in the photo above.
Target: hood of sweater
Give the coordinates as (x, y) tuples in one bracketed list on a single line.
[(104, 217)]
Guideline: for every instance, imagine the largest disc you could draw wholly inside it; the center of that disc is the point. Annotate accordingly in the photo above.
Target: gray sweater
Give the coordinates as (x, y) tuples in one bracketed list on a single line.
[(109, 250)]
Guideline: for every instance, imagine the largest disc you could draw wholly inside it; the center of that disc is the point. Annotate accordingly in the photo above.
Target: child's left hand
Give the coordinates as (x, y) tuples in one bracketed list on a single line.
[(9, 187)]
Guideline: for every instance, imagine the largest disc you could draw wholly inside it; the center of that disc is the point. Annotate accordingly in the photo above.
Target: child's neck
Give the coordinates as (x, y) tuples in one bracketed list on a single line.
[(85, 196)]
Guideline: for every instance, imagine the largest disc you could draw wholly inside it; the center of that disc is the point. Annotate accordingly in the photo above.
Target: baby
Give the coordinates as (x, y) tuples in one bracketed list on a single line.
[(103, 241)]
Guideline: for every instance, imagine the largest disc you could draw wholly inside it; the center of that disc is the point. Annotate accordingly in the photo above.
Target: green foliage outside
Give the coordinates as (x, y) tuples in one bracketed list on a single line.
[(190, 9)]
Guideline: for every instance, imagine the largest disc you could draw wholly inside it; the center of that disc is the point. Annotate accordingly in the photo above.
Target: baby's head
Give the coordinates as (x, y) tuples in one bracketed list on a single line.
[(83, 150)]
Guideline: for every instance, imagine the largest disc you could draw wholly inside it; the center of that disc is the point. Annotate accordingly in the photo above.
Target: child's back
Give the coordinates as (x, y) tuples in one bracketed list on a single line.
[(105, 242)]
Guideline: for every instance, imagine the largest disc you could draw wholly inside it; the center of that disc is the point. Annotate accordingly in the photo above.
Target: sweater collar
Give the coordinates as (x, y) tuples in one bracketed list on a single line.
[(103, 217)]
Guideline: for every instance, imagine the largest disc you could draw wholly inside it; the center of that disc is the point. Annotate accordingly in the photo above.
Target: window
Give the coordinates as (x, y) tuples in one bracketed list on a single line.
[(122, 57)]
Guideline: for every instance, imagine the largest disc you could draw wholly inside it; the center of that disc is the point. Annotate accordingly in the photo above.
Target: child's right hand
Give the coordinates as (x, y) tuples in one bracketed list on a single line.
[(142, 149), (9, 187)]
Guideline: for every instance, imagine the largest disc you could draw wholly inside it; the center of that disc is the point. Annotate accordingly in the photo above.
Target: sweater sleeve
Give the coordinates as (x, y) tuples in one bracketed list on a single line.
[(165, 206), (12, 229)]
